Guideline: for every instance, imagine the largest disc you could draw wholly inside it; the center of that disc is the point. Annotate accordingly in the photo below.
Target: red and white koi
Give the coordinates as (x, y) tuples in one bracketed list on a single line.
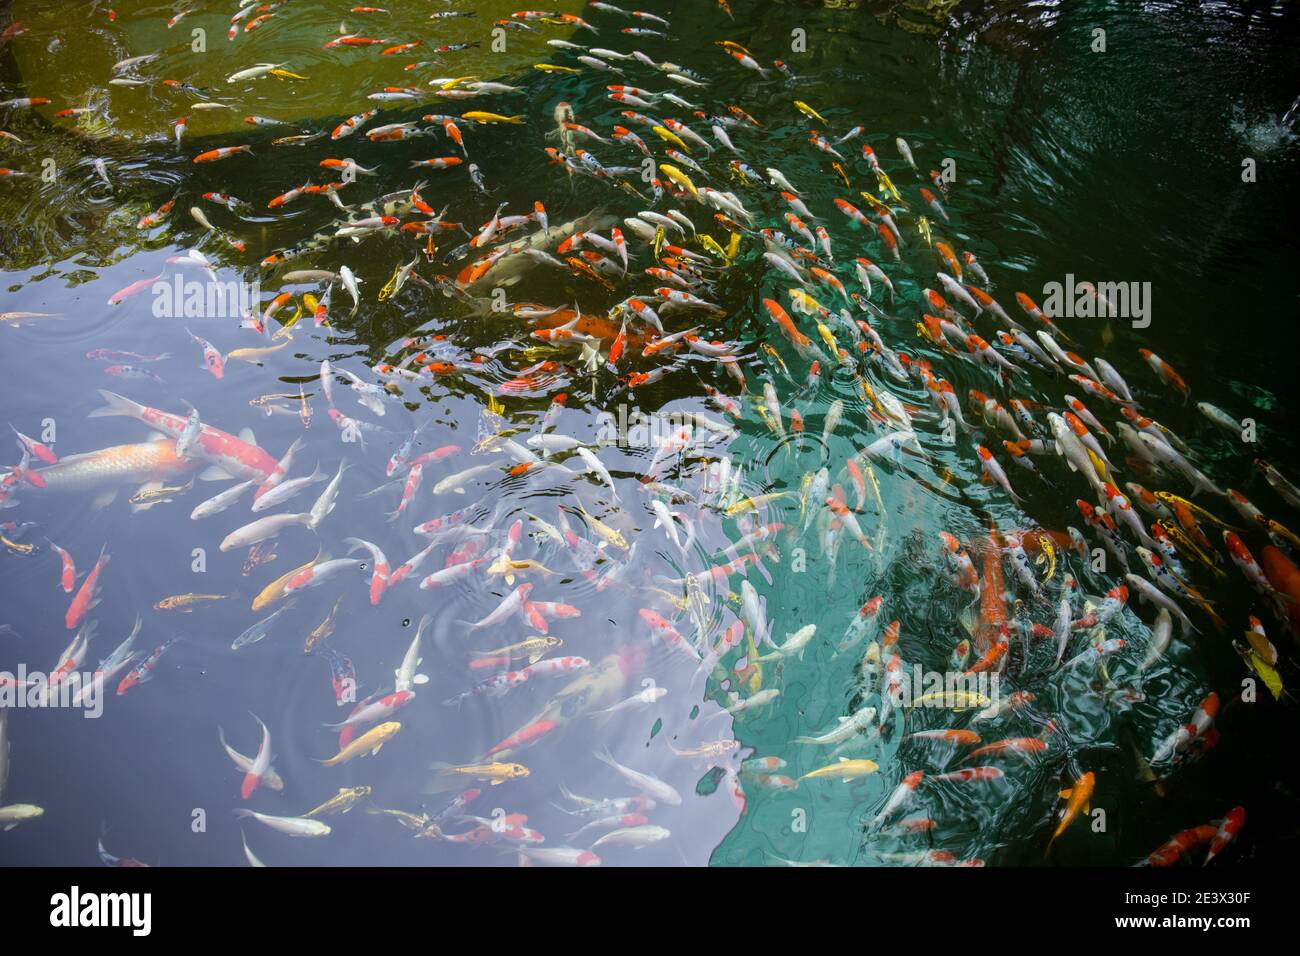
[(380, 568), (1202, 720)]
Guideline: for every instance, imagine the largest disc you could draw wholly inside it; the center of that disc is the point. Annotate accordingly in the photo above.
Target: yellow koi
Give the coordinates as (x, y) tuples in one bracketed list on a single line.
[(753, 674), (185, 603), (828, 337), (157, 495), (605, 531), (275, 590), (528, 564), (478, 116), (923, 226), (341, 802), (870, 394), (711, 245), (628, 188), (507, 566), (806, 302), (412, 821), (1277, 528), (1261, 645), (1098, 465), (887, 185), (322, 630), (15, 547), (754, 503), (390, 287), (531, 650), (255, 356), (677, 600), (718, 748), (285, 331), (875, 203), (494, 773), (679, 177), (773, 355), (1266, 672), (1170, 498), (671, 137), (369, 742), (805, 485), (1047, 555), (845, 769), (1187, 546), (952, 699), (807, 110)]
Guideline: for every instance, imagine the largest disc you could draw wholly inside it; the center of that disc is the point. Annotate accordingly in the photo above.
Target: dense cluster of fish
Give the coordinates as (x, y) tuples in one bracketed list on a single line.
[(682, 522)]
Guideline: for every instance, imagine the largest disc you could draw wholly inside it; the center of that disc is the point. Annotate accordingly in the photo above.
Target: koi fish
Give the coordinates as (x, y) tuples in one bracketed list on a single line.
[(1078, 797)]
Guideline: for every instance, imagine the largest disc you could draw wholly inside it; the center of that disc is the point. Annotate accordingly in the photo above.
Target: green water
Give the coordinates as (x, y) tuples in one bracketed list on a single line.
[(1117, 165)]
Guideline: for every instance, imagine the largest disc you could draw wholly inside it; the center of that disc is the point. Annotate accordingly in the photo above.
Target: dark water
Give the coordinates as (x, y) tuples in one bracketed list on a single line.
[(1122, 165)]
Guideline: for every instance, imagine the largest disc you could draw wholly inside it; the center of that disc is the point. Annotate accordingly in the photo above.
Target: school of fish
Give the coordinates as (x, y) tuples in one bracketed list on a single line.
[(819, 331)]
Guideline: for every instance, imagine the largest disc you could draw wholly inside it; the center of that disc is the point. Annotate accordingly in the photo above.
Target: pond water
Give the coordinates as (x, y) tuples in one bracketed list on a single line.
[(714, 488)]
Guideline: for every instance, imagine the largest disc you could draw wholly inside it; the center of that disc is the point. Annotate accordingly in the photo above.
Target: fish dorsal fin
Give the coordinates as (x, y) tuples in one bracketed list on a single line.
[(246, 435), (215, 473)]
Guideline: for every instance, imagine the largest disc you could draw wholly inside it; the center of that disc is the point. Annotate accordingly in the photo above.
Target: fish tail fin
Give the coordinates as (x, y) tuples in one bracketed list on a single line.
[(441, 781), (117, 405)]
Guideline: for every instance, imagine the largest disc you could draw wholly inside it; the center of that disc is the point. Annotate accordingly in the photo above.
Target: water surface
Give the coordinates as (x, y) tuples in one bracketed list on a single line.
[(1122, 165)]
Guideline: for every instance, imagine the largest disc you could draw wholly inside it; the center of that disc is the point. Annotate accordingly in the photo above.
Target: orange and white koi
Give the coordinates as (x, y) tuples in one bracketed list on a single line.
[(224, 152), (1166, 372)]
